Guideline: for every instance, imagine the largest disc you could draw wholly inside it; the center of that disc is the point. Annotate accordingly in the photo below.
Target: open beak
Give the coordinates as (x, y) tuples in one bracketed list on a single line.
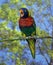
[(21, 13)]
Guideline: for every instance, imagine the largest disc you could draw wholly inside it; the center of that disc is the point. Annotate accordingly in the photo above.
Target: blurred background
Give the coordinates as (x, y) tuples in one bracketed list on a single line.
[(17, 52)]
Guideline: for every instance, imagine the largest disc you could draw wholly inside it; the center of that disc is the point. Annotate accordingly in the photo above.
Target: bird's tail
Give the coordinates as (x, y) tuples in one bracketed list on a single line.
[(31, 43)]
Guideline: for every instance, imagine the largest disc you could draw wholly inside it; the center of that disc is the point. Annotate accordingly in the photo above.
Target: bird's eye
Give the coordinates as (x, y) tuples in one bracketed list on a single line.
[(25, 10)]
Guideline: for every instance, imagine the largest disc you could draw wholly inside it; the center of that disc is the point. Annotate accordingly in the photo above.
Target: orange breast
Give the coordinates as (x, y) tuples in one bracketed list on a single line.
[(26, 22)]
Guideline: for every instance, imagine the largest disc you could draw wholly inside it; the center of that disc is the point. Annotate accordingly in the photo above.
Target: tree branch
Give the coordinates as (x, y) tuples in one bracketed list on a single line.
[(25, 38)]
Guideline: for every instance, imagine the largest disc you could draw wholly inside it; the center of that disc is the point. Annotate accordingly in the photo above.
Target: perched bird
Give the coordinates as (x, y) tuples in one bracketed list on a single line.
[(28, 27)]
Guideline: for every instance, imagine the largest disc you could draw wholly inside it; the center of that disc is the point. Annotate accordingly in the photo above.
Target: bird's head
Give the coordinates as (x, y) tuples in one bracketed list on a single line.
[(24, 13)]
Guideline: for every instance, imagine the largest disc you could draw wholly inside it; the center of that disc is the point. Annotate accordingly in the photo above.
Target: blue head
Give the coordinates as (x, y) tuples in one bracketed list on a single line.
[(24, 13)]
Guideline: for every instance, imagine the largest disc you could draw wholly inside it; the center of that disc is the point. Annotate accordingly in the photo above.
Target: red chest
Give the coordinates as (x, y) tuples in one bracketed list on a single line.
[(26, 22)]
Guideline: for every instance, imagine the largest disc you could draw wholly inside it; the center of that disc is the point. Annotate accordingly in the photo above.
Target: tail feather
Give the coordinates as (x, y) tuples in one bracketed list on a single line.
[(31, 43)]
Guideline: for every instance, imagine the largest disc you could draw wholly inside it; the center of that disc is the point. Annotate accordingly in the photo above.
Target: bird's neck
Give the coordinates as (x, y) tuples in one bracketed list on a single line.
[(25, 17)]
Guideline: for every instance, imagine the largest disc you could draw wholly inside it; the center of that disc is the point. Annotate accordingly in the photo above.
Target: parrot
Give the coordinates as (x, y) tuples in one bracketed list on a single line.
[(28, 27)]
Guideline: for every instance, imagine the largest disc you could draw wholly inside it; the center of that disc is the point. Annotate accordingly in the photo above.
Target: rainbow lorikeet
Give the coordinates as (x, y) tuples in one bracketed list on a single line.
[(28, 27)]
